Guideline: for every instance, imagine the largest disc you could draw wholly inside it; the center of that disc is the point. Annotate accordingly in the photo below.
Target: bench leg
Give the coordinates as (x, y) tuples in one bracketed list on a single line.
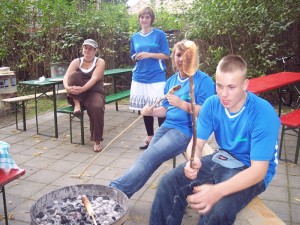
[(82, 128), (16, 111), (71, 118), (284, 128), (4, 205), (281, 141), (298, 146), (22, 106), (24, 115)]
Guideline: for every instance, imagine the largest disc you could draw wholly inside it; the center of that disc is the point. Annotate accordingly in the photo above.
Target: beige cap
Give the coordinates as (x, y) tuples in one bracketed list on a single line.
[(90, 42)]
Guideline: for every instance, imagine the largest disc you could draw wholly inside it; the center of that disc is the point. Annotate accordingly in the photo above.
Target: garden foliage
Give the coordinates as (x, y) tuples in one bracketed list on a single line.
[(36, 33)]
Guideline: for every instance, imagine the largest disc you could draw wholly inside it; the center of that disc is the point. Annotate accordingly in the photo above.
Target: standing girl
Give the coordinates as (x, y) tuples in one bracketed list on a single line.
[(149, 48)]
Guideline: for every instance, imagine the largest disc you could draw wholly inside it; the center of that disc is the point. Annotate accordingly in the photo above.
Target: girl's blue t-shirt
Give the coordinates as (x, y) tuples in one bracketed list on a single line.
[(204, 87), (149, 70), (250, 134)]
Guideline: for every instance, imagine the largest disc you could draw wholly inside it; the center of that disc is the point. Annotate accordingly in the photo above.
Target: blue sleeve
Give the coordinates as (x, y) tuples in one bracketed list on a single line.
[(204, 124), (264, 133), (205, 90)]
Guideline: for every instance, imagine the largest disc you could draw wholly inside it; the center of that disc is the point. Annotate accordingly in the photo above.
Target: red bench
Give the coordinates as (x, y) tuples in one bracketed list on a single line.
[(7, 176), (291, 121)]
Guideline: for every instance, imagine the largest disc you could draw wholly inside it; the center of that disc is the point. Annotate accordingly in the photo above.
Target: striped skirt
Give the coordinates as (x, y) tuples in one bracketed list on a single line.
[(142, 94)]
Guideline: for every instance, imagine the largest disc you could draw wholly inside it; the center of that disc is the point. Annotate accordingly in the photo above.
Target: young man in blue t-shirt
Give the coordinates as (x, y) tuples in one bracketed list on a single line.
[(219, 185)]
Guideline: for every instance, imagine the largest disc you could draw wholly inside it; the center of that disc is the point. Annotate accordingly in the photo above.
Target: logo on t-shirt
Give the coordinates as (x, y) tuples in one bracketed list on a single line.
[(186, 97), (240, 139)]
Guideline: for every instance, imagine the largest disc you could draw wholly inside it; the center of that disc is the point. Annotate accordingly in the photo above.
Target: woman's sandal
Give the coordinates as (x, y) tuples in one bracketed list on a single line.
[(97, 148)]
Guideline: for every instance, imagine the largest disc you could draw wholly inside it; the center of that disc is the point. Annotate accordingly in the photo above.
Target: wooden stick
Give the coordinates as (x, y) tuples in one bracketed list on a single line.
[(171, 91), (88, 206), (190, 66), (94, 220), (107, 147), (193, 121)]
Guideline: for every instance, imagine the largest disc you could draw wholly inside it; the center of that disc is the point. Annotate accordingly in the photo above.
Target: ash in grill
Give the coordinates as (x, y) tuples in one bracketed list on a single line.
[(71, 211)]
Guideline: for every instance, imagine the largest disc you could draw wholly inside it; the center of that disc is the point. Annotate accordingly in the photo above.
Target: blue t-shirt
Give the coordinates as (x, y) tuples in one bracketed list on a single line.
[(149, 70), (250, 134), (204, 87)]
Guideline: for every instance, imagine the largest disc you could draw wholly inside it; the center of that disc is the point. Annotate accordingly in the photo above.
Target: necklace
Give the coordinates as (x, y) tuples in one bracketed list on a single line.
[(88, 61)]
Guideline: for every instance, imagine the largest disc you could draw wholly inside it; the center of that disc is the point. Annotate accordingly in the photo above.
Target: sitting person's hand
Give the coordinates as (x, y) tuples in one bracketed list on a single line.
[(203, 198), (147, 110), (75, 90), (174, 100), (190, 172)]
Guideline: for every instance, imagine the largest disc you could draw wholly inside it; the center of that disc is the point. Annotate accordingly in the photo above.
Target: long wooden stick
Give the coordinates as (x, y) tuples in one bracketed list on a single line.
[(190, 66), (193, 121), (171, 91), (96, 156)]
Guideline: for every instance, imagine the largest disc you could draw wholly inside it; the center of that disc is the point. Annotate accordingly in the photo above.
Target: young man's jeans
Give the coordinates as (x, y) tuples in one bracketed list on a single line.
[(170, 200), (165, 144)]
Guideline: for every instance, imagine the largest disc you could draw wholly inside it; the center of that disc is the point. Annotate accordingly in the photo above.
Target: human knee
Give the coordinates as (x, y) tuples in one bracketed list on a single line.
[(75, 78), (97, 109), (172, 176), (223, 212)]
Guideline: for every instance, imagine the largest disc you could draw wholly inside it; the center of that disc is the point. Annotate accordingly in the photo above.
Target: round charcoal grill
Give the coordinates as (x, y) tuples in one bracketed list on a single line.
[(79, 190)]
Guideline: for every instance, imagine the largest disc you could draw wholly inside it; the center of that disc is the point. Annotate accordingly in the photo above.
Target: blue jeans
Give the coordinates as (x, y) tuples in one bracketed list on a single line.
[(170, 200), (165, 144)]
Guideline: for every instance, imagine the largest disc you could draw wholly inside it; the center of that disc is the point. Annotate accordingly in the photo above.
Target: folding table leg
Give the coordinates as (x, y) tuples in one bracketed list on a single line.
[(281, 141), (82, 128), (297, 148), (71, 133), (4, 205), (24, 115), (16, 111)]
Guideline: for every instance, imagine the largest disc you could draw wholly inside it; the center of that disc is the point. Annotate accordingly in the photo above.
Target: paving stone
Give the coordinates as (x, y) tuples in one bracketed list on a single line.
[(53, 163)]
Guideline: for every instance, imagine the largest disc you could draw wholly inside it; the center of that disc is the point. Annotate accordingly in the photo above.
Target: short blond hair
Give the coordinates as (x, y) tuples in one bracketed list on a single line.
[(147, 10), (231, 63), (182, 47)]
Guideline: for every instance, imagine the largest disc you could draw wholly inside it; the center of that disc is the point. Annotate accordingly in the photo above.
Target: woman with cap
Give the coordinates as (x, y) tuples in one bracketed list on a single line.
[(84, 84), (148, 49)]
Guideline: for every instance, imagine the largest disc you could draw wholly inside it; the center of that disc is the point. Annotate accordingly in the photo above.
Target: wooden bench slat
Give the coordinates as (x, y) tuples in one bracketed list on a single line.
[(108, 99), (66, 109), (291, 119), (256, 213), (30, 97), (18, 98), (117, 96), (8, 175)]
